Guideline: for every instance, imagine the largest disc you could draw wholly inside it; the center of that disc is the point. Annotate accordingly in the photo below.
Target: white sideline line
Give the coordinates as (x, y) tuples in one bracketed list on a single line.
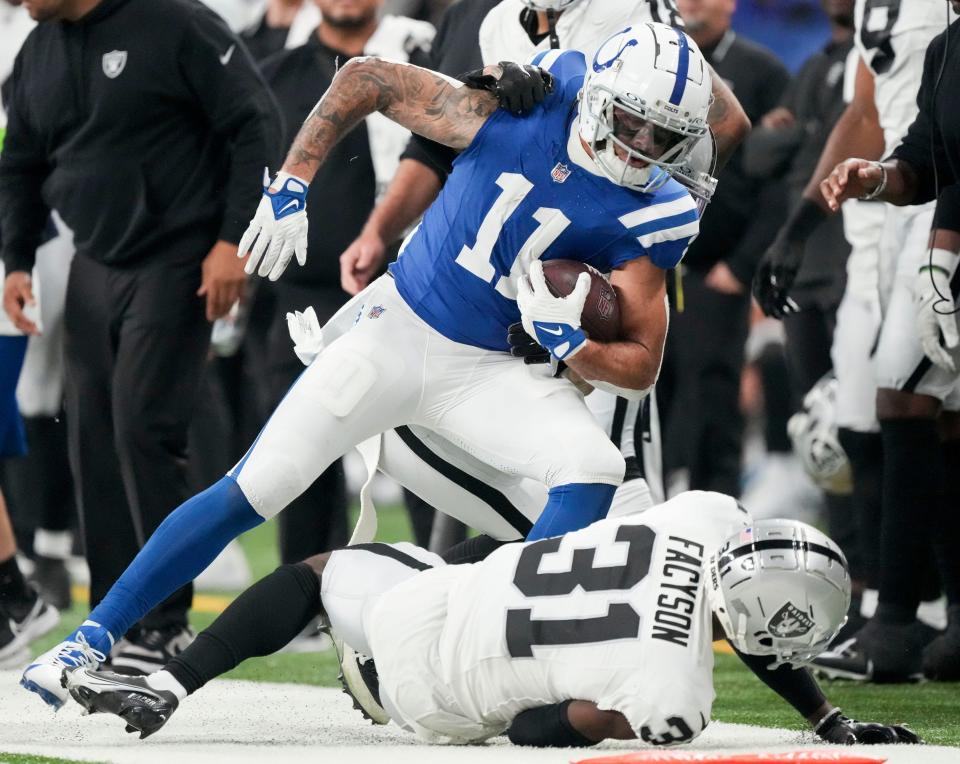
[(232, 722)]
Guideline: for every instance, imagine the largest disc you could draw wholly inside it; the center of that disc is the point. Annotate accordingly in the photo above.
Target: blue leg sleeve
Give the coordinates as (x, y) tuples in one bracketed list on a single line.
[(177, 552), (13, 441), (572, 507)]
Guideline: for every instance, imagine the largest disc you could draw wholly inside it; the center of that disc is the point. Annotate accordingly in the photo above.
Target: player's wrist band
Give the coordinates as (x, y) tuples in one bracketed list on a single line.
[(828, 719), (881, 186), (934, 267)]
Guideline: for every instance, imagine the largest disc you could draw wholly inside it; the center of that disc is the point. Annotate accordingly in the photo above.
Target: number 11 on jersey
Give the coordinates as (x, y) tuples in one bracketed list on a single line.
[(478, 258)]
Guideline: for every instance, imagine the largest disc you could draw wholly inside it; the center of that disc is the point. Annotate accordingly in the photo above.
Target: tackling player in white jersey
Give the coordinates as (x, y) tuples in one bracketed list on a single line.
[(606, 632)]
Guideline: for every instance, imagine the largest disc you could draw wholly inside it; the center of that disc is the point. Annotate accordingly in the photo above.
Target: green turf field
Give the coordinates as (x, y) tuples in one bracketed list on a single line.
[(933, 709), (26, 758)]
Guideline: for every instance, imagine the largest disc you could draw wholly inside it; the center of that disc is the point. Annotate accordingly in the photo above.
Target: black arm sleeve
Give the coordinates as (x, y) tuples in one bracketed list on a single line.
[(239, 107), (948, 209), (768, 153), (761, 232), (796, 686), (546, 727), (922, 147), (23, 169)]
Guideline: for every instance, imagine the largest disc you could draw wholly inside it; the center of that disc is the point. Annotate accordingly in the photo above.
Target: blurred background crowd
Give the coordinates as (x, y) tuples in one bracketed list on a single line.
[(141, 390)]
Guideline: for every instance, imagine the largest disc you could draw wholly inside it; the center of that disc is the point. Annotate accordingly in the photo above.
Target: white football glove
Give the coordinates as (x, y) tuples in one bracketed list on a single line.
[(306, 334), (554, 322), (936, 312), (279, 227)]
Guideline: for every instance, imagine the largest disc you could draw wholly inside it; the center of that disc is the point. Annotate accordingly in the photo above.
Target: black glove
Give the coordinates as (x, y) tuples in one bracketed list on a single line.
[(518, 88), (838, 729), (780, 263), (522, 345)]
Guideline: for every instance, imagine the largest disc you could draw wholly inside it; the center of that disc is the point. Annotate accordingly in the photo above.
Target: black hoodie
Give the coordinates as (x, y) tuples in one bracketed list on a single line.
[(145, 124)]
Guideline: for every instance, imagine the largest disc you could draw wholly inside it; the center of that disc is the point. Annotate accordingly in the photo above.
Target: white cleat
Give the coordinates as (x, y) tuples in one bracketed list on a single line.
[(42, 676), (359, 679)]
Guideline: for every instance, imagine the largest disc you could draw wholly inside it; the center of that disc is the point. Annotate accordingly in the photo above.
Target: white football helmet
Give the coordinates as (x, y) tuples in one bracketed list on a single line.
[(645, 99), (549, 5), (780, 588), (813, 431)]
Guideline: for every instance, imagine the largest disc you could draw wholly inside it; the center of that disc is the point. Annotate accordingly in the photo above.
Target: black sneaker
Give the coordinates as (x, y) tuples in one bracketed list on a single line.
[(941, 658), (149, 650), (882, 653), (360, 681), (20, 625), (144, 709), (51, 577)]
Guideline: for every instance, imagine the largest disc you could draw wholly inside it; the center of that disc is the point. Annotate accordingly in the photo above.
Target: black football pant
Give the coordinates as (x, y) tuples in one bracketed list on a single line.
[(135, 344), (317, 520), (809, 337), (699, 390)]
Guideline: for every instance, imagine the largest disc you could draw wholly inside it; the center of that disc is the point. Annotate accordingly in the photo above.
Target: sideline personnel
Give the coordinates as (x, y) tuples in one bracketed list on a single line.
[(925, 166), (146, 125)]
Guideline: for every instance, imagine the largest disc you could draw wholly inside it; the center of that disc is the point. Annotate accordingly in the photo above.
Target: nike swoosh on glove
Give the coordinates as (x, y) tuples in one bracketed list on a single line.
[(278, 229), (307, 336), (554, 322), (838, 729), (937, 309)]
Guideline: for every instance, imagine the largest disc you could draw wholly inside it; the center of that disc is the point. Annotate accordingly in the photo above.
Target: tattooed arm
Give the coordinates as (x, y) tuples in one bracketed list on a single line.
[(727, 119), (422, 101)]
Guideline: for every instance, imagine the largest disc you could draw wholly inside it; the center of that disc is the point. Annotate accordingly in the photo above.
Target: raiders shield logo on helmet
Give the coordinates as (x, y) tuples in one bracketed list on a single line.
[(113, 63), (789, 621)]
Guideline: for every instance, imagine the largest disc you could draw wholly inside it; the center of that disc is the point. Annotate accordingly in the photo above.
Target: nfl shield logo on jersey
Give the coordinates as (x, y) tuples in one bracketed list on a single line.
[(113, 63), (560, 173), (376, 311), (789, 621)]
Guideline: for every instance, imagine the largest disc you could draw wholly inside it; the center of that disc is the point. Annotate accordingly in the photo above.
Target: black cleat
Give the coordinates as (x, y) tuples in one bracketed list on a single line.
[(144, 709), (941, 658), (360, 681), (51, 577), (147, 650), (882, 653)]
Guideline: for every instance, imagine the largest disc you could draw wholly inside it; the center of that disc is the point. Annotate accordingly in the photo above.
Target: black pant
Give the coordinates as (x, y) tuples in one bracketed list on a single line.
[(809, 337), (317, 520), (134, 349), (700, 388)]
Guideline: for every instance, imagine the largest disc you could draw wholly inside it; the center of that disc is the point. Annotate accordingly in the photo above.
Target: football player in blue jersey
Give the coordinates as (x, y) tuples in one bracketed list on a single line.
[(586, 176)]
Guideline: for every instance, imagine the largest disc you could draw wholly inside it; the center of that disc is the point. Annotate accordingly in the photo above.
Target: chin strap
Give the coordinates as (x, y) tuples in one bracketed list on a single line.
[(552, 28)]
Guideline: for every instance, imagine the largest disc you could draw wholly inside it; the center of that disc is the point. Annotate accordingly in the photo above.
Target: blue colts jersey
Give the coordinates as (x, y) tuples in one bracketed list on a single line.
[(515, 196)]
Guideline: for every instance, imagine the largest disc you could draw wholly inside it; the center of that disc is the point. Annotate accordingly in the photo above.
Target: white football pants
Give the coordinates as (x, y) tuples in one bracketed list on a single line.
[(391, 369)]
